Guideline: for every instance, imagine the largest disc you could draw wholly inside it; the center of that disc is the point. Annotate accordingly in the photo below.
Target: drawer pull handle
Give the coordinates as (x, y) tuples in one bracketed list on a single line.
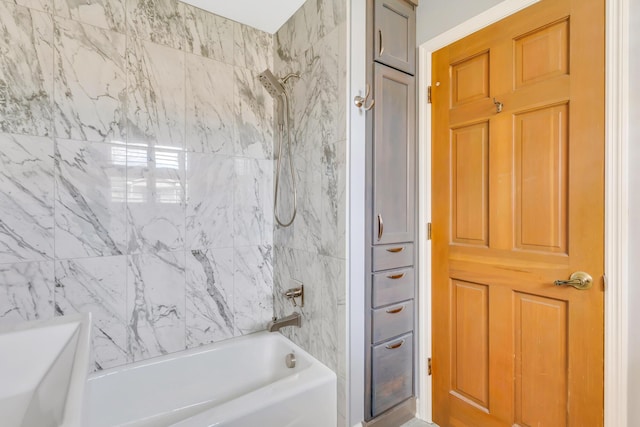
[(381, 51), (396, 276), (396, 250), (396, 345), (380, 227), (396, 310)]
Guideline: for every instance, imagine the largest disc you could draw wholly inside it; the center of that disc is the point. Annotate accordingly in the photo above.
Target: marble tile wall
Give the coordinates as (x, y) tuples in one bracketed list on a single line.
[(136, 173), (313, 249)]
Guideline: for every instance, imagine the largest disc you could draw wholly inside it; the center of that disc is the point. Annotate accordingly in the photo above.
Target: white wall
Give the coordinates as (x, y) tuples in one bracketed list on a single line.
[(634, 212), (435, 17)]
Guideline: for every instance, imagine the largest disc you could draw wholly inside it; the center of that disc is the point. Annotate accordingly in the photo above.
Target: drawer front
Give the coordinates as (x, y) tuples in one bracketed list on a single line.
[(392, 373), (392, 256), (393, 286), (391, 321)]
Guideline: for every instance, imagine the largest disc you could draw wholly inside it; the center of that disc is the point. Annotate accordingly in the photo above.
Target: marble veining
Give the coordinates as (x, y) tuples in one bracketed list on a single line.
[(107, 14), (156, 304), (90, 82), (250, 46), (155, 94), (210, 201), (209, 35), (253, 202), (159, 21), (155, 199), (210, 107), (26, 291), (97, 285), (253, 108), (90, 199), (26, 198), (253, 288), (210, 292), (26, 76)]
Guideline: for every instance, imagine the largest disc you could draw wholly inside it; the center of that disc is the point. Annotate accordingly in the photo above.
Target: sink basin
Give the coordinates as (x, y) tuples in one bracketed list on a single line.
[(43, 366)]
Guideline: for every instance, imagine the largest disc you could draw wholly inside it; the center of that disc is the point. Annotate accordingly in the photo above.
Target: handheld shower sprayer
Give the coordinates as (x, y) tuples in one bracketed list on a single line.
[(276, 88)]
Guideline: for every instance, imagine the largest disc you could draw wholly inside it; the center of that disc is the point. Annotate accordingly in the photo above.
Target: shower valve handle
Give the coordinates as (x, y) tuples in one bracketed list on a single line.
[(360, 101)]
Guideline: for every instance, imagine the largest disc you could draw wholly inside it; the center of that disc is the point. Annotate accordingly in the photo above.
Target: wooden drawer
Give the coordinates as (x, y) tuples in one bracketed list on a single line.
[(392, 286), (391, 321), (392, 256), (395, 34), (392, 373)]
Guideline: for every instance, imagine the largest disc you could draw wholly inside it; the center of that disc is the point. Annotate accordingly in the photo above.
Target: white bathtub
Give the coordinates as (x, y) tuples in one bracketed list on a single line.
[(241, 382)]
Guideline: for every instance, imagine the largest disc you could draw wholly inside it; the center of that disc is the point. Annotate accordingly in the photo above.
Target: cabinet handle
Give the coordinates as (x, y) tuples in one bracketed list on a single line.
[(380, 227), (396, 276), (395, 250), (394, 346), (381, 51), (396, 310)]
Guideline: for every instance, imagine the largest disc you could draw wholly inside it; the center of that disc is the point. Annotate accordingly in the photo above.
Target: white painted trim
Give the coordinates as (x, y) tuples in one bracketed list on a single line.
[(356, 175), (616, 203), (478, 22), (616, 214)]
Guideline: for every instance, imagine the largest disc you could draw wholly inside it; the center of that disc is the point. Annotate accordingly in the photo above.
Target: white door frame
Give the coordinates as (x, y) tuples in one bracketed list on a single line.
[(616, 200)]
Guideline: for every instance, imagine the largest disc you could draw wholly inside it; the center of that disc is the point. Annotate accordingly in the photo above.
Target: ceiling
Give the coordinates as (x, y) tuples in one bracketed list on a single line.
[(265, 15)]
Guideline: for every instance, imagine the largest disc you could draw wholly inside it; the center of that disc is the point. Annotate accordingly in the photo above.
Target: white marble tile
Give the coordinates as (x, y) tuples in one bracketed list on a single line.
[(155, 304), (210, 315), (209, 35), (97, 286), (308, 226), (155, 199), (299, 32), (331, 13), (90, 207), (107, 14), (253, 202), (26, 71), (210, 106), (90, 82), (333, 340), (334, 202), (253, 288), (26, 198), (159, 21), (253, 49), (155, 94), (210, 195), (253, 116), (39, 5), (26, 292)]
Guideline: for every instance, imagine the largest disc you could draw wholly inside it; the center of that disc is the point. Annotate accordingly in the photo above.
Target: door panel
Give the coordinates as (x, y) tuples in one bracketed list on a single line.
[(518, 202), (393, 156)]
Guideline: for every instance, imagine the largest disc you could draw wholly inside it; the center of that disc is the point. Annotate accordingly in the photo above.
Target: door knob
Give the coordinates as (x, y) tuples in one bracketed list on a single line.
[(579, 280)]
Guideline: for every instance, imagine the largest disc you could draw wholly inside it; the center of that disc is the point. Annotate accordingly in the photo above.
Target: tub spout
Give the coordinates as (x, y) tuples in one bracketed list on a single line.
[(291, 320)]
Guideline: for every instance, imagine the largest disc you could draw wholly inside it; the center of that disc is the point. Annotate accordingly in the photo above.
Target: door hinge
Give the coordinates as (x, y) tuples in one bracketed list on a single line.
[(429, 366), (429, 94), (428, 231)]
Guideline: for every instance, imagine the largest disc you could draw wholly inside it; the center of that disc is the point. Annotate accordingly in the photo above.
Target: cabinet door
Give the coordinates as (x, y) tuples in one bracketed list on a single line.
[(393, 156), (395, 34)]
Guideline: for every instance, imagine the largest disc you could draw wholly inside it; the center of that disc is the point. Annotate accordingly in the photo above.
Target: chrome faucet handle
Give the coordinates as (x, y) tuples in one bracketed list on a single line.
[(294, 293)]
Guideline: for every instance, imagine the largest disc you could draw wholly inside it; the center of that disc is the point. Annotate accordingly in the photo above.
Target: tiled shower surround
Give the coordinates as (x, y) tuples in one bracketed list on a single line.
[(136, 173), (313, 250)]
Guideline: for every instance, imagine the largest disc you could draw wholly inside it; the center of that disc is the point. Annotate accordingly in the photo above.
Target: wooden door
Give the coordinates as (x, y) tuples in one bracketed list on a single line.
[(393, 156), (518, 202)]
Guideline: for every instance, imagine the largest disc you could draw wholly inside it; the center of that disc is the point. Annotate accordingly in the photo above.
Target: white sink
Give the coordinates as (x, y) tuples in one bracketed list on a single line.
[(43, 367)]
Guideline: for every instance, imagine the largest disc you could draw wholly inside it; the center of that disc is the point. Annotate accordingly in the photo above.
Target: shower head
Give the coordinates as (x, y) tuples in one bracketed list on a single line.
[(271, 83)]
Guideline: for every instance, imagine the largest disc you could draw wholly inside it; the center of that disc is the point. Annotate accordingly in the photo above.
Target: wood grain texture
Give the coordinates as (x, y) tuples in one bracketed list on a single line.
[(545, 220)]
